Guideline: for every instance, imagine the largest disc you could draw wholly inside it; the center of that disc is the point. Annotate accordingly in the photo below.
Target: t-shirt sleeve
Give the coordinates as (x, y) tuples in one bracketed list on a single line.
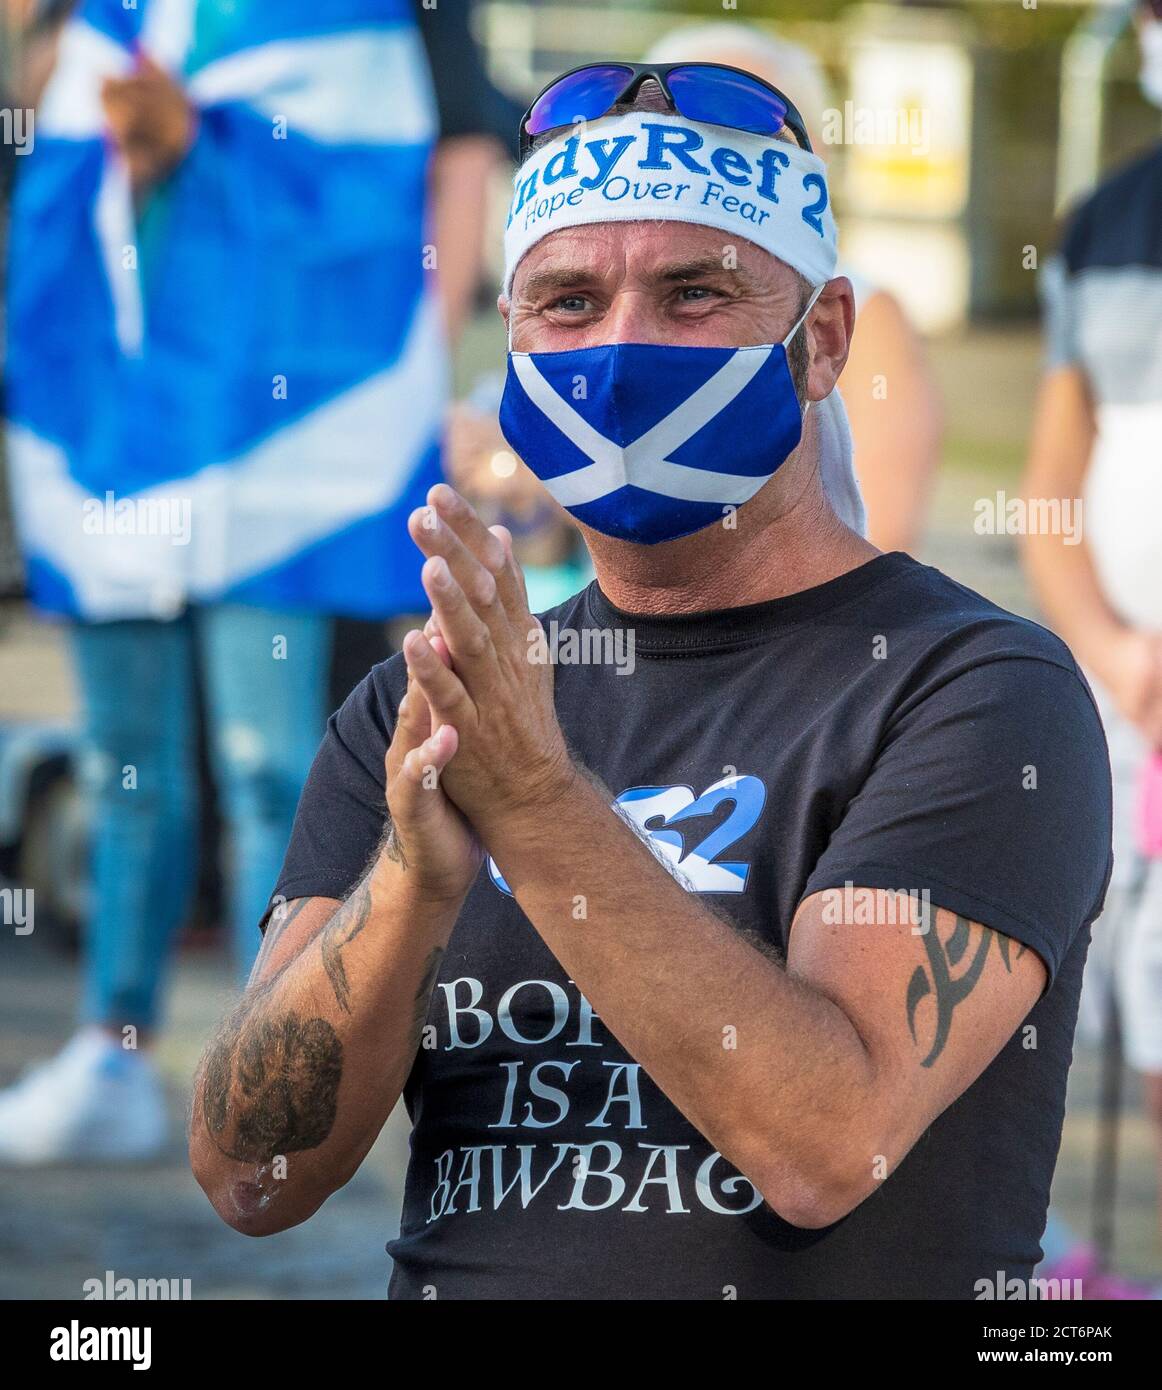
[(1058, 292), (990, 791), (342, 812)]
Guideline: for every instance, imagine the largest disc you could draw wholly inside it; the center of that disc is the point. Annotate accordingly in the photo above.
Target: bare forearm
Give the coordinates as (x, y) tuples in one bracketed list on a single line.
[(459, 183), (1063, 574), (298, 1082), (896, 422), (770, 1071), (1067, 587)]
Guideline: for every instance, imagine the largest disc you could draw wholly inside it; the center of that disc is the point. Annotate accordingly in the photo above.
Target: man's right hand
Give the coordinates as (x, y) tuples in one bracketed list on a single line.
[(1131, 669), (430, 837)]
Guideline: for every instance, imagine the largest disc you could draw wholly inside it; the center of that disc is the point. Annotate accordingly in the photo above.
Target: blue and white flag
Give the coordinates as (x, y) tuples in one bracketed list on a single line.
[(236, 391)]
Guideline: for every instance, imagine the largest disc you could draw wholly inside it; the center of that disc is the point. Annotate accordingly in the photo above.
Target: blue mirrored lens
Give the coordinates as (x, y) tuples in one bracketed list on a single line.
[(582, 96), (726, 98)]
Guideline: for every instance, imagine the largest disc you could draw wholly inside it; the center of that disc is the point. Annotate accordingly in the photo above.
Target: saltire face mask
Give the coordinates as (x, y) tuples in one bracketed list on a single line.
[(649, 442)]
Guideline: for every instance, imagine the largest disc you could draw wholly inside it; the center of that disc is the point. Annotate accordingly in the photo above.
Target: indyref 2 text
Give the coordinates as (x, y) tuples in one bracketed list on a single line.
[(603, 167)]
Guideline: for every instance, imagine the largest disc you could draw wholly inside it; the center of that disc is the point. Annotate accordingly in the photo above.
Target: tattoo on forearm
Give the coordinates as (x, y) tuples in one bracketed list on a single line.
[(946, 989), (424, 995), (270, 1083), (340, 931), (280, 919), (393, 847)]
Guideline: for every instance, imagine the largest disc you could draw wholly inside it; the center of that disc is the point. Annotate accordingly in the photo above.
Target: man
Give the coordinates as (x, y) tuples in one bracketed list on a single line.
[(1096, 438), (697, 1045)]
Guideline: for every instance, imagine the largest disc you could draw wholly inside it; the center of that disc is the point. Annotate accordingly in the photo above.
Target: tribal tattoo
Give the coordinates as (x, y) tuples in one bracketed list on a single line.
[(393, 847), (279, 920), (340, 931), (948, 990), (424, 995)]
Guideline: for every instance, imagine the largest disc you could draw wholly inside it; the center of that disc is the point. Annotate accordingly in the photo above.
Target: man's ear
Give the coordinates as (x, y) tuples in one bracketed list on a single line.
[(503, 306), (829, 328)]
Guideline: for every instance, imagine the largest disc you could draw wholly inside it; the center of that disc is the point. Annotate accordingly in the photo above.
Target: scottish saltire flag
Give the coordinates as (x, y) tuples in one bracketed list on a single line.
[(234, 390), (648, 442)]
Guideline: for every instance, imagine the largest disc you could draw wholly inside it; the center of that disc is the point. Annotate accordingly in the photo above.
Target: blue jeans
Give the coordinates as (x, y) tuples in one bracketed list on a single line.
[(264, 676)]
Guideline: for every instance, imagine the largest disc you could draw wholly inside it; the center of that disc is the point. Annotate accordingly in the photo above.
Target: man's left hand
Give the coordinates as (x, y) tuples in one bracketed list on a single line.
[(511, 758)]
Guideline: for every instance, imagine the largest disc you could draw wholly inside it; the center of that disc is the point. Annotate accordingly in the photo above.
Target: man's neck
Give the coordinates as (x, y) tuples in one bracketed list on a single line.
[(723, 567)]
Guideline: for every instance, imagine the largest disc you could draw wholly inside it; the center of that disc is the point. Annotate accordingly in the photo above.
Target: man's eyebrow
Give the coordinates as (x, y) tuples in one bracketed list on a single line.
[(686, 270), (565, 277), (697, 267), (561, 277)]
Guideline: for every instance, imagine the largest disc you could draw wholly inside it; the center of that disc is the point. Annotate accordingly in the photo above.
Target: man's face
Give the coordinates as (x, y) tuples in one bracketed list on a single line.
[(649, 282)]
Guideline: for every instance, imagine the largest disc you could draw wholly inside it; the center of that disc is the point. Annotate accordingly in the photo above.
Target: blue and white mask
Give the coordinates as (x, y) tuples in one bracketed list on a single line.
[(649, 442)]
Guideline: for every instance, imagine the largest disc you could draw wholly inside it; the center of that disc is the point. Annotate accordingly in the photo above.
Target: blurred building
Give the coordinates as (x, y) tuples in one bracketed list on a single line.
[(956, 131)]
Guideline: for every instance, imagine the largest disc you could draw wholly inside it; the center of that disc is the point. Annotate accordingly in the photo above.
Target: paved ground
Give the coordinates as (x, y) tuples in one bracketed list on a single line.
[(61, 1227)]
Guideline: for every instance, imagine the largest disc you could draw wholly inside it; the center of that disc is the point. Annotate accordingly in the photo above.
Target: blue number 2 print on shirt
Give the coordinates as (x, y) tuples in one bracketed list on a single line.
[(664, 816)]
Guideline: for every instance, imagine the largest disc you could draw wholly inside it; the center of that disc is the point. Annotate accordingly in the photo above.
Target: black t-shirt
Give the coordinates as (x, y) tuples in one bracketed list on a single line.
[(888, 729), (467, 102)]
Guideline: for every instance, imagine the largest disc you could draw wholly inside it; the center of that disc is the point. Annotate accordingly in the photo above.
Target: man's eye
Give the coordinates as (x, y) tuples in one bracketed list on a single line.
[(572, 303), (694, 294)]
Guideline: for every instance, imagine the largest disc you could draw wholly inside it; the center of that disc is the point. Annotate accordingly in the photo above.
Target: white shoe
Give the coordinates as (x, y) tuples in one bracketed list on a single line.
[(95, 1101)]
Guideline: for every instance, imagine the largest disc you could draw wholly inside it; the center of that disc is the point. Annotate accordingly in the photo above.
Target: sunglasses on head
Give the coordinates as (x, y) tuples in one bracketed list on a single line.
[(710, 92)]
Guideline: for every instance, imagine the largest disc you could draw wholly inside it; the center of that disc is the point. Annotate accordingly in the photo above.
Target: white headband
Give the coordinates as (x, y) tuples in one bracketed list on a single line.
[(646, 166)]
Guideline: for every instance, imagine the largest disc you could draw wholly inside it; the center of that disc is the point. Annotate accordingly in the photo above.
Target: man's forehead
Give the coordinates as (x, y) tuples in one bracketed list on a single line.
[(657, 249)]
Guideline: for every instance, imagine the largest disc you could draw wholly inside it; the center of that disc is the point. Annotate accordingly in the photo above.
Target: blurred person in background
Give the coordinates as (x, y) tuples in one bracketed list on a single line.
[(1097, 441), (897, 436), (28, 31), (235, 269)]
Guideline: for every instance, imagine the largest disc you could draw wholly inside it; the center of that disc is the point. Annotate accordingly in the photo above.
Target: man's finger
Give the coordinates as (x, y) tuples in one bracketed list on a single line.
[(462, 629), (436, 638), (413, 785), (511, 580), (447, 698), (437, 539), (482, 541), (413, 724), (461, 516)]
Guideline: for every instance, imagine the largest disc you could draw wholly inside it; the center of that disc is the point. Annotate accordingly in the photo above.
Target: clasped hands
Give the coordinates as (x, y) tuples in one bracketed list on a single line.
[(477, 748)]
